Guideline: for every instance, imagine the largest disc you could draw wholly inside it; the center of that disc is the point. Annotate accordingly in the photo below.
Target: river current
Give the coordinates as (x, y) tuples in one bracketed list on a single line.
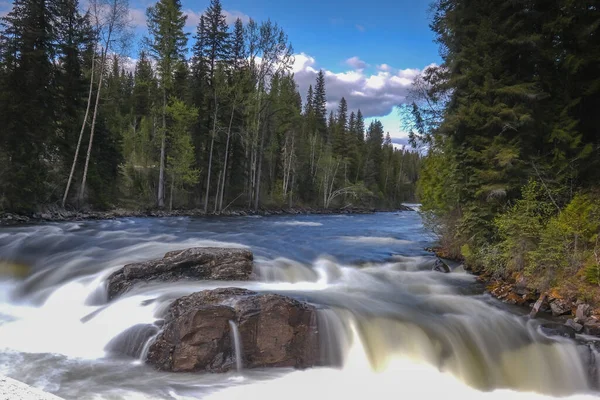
[(389, 325)]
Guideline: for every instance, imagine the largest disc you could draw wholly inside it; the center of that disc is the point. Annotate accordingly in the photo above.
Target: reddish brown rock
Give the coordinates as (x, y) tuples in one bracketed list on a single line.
[(275, 331), (200, 263)]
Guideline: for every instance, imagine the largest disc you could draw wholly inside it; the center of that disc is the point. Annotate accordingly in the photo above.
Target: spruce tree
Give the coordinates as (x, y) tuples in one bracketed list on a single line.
[(168, 45), (340, 139), (320, 107), (29, 101)]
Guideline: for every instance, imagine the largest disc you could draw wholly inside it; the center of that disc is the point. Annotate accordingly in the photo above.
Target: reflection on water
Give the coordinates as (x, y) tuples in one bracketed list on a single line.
[(389, 326)]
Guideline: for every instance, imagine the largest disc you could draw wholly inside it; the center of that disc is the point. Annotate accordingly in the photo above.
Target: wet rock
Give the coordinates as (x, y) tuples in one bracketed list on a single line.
[(441, 266), (574, 325), (201, 263), (560, 307), (582, 312), (552, 329), (275, 331), (591, 327), (132, 341)]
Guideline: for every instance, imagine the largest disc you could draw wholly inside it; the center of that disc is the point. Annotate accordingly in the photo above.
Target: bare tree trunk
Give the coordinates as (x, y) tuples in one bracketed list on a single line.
[(259, 168), (212, 144), (163, 144), (226, 159), (83, 124), (95, 115), (252, 174), (291, 194), (171, 195), (217, 194)]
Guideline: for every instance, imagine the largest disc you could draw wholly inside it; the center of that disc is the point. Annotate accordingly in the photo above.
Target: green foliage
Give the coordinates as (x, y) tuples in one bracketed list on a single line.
[(226, 127), (521, 226), (568, 239), (180, 159), (512, 150)]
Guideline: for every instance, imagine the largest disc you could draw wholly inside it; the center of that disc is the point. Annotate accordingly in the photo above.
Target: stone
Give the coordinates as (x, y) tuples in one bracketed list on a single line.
[(591, 327), (560, 307), (574, 325), (582, 312), (441, 266), (200, 263), (553, 329), (274, 330)]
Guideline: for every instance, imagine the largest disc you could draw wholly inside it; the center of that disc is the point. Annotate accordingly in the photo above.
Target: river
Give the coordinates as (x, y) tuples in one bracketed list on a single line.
[(391, 327)]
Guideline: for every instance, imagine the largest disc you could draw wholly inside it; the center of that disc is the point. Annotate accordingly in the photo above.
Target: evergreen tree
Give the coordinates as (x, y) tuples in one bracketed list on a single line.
[(320, 107), (216, 37), (340, 138), (29, 101), (168, 45)]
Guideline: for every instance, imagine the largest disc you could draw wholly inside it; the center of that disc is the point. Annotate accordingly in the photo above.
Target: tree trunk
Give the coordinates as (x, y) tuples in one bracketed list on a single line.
[(226, 158), (210, 156), (83, 124), (259, 171), (171, 194), (95, 115), (163, 144), (217, 194)]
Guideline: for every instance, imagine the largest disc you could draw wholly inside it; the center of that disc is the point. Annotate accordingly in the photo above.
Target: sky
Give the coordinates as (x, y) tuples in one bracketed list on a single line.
[(370, 51)]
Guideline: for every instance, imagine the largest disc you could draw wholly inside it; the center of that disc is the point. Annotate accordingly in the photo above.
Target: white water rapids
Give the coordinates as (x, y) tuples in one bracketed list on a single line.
[(389, 326)]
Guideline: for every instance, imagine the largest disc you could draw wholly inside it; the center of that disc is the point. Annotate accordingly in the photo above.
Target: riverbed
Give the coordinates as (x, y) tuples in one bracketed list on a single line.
[(389, 326)]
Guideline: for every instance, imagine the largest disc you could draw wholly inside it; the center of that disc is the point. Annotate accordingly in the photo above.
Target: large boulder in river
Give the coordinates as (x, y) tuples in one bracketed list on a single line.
[(200, 263), (198, 334)]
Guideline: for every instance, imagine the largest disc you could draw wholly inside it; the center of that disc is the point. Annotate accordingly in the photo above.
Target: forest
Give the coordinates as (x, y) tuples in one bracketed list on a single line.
[(205, 121), (511, 126)]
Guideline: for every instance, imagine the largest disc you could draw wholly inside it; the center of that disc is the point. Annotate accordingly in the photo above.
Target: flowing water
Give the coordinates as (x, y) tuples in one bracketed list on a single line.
[(389, 326)]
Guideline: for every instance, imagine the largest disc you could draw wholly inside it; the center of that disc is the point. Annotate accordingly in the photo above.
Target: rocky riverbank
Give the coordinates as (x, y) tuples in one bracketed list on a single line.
[(59, 215), (578, 316)]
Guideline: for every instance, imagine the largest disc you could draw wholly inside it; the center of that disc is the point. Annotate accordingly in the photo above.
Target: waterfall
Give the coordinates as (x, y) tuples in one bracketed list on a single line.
[(237, 345)]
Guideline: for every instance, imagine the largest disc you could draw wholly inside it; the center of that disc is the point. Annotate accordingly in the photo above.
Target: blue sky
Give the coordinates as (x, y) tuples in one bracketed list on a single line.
[(370, 51)]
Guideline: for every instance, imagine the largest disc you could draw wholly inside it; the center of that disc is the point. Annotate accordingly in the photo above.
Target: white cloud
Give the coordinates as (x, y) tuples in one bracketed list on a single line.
[(360, 27), (232, 16), (303, 62), (356, 63), (377, 94), (137, 17), (193, 17)]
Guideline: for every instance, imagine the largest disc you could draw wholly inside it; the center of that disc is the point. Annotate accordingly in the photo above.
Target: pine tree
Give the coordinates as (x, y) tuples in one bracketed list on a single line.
[(320, 107), (29, 101), (238, 45), (217, 40), (374, 156), (340, 138), (168, 45)]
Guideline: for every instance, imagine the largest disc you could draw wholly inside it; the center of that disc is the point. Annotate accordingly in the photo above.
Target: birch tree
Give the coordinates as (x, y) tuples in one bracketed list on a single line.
[(111, 20)]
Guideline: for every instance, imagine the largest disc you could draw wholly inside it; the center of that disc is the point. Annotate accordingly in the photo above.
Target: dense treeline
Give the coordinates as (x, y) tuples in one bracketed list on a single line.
[(511, 125), (206, 121)]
